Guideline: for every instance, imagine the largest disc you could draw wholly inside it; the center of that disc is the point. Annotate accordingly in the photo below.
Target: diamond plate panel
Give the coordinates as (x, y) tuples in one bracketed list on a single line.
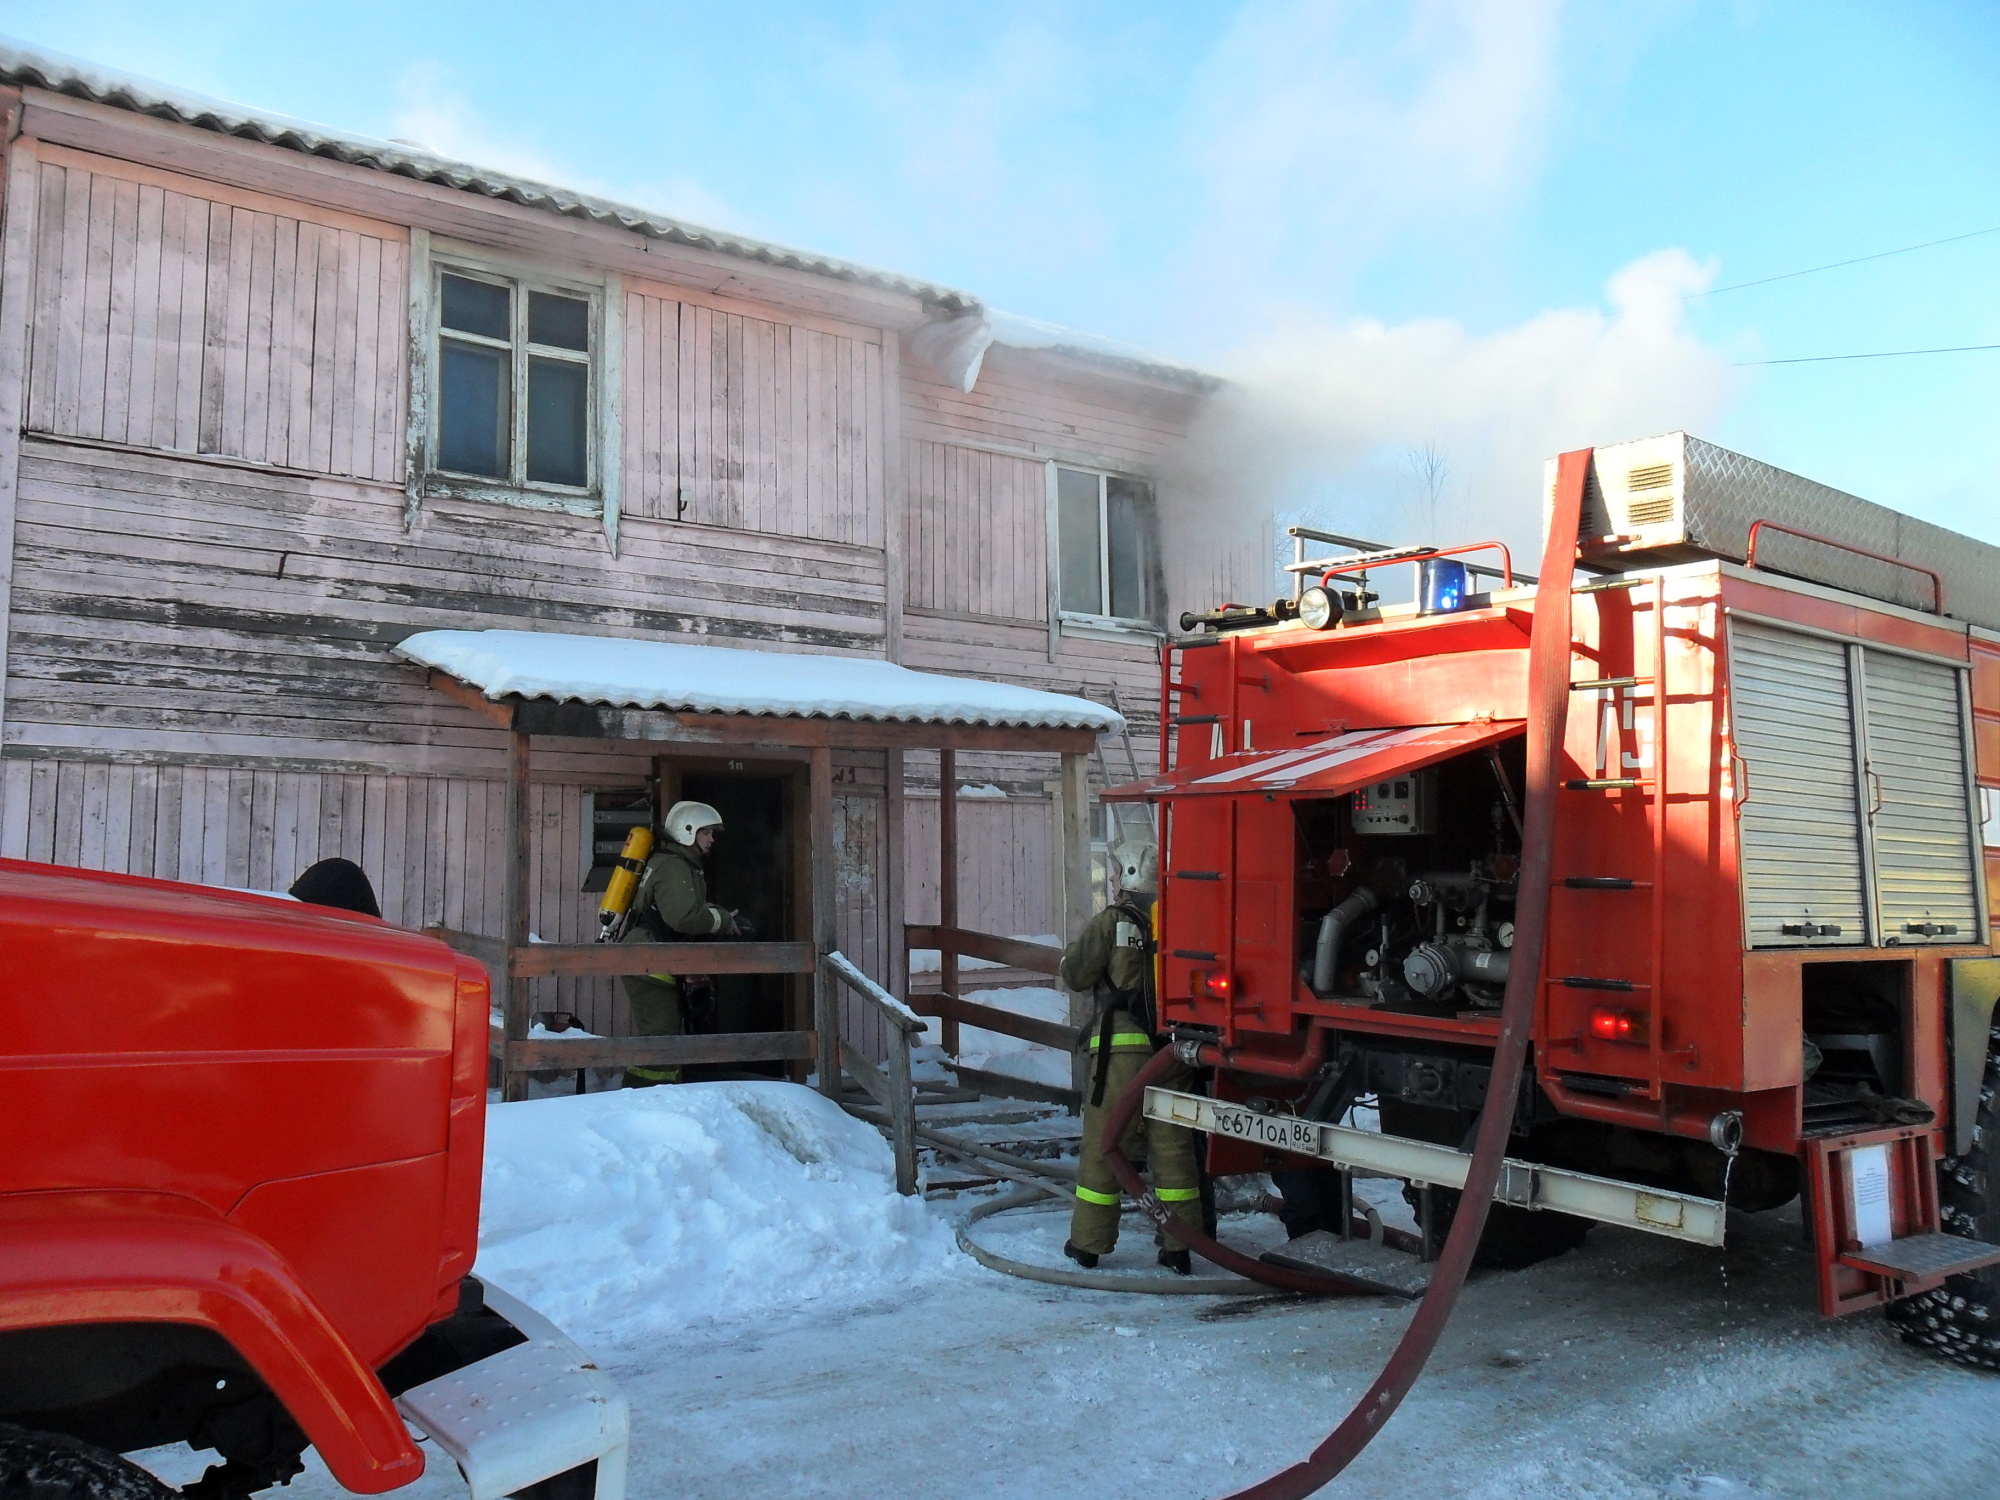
[(1920, 1257), (1720, 493)]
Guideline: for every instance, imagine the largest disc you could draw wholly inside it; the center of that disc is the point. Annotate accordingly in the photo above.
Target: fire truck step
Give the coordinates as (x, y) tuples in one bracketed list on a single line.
[(1923, 1257)]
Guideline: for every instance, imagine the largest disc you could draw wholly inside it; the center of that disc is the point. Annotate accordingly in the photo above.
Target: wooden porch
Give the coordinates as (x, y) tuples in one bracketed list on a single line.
[(806, 955)]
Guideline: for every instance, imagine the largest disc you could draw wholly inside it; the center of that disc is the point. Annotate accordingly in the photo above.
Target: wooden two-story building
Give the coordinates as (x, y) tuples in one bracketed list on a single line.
[(274, 398)]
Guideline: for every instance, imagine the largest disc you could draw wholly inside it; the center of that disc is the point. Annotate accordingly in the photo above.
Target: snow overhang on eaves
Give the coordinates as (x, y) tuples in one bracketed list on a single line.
[(30, 67), (619, 672), (956, 348)]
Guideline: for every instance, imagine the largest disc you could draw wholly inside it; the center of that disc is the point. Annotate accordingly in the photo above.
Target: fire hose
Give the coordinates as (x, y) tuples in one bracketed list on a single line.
[(1548, 696)]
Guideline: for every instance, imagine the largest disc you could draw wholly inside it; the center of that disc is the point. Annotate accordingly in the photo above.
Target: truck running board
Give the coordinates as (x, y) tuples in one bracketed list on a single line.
[(1678, 1216)]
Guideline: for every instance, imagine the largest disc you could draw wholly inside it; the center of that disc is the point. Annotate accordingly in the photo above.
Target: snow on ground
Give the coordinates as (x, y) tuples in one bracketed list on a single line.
[(641, 1212), (784, 1326)]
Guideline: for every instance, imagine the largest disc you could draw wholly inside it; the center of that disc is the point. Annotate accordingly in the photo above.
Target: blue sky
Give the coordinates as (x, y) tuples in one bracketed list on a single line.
[(1485, 227)]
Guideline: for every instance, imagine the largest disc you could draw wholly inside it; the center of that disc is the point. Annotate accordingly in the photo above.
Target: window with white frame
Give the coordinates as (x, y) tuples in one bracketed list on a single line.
[(515, 384), (1107, 561)]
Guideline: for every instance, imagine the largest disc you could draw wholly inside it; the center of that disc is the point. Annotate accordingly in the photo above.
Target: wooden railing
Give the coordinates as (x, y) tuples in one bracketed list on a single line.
[(521, 1054), (896, 1092), (961, 942)]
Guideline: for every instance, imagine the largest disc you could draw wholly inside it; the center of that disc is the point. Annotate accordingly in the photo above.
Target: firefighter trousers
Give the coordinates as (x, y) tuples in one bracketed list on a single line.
[(1169, 1149), (656, 1011)]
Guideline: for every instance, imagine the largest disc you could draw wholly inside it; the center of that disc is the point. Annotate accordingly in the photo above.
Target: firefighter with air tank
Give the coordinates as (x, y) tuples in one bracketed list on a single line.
[(669, 903), (1112, 961)]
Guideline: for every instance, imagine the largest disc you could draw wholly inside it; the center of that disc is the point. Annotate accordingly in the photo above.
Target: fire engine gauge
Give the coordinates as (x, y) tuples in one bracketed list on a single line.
[(1318, 609)]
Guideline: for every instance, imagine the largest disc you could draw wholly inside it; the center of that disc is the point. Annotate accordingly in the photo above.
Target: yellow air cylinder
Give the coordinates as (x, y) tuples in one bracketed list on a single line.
[(624, 881)]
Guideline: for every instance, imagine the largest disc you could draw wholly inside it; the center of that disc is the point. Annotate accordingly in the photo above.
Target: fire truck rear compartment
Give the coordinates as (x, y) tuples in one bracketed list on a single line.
[(1405, 890), (1855, 1024)]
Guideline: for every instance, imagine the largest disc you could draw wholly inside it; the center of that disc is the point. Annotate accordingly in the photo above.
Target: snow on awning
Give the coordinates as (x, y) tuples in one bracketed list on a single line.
[(622, 673), (1326, 768)]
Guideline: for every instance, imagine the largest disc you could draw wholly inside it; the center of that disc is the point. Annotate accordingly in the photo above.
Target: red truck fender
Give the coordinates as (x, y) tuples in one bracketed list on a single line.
[(114, 1257)]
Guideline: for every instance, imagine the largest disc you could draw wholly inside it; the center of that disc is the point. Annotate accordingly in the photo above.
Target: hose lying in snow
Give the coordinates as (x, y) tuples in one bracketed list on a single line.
[(1548, 697), (1090, 1281)]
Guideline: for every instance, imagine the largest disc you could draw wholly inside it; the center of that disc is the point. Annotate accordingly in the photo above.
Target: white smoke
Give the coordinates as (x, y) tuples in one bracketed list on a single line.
[(1424, 431)]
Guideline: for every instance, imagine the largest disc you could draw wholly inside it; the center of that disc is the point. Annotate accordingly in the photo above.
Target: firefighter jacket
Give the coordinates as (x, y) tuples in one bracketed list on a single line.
[(1112, 961), (672, 900)]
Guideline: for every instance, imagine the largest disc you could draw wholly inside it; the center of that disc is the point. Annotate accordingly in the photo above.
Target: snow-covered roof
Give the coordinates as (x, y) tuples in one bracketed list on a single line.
[(623, 673), (59, 73), (956, 347)]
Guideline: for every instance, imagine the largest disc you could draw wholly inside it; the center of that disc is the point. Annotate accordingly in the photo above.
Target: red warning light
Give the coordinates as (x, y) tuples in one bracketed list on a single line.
[(1610, 1025), (1215, 984)]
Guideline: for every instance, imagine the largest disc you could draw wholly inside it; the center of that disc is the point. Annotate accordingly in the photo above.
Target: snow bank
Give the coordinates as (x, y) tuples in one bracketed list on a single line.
[(730, 680), (638, 1212)]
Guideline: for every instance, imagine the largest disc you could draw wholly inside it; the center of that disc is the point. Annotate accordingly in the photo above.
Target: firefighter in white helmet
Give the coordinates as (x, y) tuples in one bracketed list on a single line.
[(672, 904), (1112, 961)]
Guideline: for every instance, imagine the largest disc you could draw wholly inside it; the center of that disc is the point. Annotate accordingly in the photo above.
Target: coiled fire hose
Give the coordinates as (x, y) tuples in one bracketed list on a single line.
[(1548, 696)]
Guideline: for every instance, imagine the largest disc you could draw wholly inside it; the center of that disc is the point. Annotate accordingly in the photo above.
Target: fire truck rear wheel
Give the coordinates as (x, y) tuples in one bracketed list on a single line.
[(1514, 1238), (1961, 1319), (47, 1466)]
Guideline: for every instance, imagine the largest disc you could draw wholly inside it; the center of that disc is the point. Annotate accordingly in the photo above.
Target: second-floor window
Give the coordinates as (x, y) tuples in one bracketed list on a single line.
[(1106, 560), (514, 388)]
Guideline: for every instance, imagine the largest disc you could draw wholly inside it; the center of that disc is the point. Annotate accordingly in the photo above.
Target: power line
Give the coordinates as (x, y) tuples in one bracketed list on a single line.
[(1949, 239), (1820, 359)]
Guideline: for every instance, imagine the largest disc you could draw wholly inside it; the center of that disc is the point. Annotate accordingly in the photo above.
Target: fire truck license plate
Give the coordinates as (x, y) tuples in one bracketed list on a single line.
[(1279, 1132)]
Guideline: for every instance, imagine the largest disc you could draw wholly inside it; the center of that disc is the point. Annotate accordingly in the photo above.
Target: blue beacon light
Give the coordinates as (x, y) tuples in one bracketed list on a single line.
[(1443, 586)]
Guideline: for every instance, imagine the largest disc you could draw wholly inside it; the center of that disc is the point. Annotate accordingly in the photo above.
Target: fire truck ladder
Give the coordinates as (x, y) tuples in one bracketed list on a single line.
[(1655, 784)]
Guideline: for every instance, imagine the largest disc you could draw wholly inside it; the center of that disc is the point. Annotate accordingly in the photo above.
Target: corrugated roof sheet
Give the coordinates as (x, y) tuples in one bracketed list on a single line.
[(37, 68), (693, 678)]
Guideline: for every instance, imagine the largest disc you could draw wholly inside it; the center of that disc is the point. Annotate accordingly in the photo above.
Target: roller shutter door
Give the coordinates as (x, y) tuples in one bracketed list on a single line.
[(1922, 816), (1800, 830)]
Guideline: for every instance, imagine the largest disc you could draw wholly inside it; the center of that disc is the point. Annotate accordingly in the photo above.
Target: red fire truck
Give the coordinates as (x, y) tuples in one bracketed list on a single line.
[(239, 1204), (1766, 968)]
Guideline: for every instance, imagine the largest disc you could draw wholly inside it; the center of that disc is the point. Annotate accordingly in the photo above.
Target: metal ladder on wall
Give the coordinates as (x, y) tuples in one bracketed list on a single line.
[(1655, 784)]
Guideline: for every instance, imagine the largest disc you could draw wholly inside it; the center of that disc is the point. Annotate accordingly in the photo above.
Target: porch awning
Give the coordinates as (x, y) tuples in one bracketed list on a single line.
[(619, 672), (1325, 768)]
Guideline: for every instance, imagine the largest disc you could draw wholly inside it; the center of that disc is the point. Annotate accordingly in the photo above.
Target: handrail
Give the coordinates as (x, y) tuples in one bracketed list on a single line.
[(899, 1014), (897, 1092), (1036, 958), (1005, 1022), (569, 960), (1937, 582), (1423, 555)]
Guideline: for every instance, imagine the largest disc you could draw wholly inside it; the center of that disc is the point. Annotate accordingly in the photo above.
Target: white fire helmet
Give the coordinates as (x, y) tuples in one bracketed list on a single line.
[(686, 819), (1138, 867)]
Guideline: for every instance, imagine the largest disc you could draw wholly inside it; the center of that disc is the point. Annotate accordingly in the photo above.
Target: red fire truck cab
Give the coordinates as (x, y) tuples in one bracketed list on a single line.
[(239, 1206), (1768, 966)]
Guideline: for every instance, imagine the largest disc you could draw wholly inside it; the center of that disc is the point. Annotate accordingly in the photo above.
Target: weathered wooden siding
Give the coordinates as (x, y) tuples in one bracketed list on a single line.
[(426, 842), (1038, 402), (213, 555), (170, 315), (975, 532), (1007, 863), (218, 610), (739, 421)]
